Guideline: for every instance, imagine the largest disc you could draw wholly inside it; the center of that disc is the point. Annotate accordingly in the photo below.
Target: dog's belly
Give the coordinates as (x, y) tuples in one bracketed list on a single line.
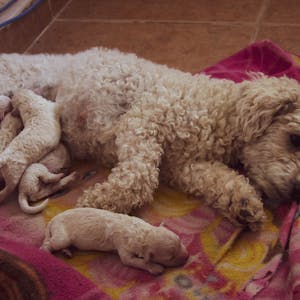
[(89, 137), (86, 147), (89, 125), (98, 89), (91, 103)]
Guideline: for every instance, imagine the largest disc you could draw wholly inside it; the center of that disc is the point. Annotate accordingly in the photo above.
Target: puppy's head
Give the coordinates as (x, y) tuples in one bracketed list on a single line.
[(271, 155), (164, 247)]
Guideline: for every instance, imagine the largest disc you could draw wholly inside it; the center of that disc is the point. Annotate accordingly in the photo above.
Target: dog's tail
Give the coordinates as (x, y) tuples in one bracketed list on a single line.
[(26, 208)]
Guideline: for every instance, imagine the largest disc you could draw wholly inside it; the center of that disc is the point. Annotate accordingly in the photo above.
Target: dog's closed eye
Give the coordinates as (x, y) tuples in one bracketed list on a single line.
[(295, 140)]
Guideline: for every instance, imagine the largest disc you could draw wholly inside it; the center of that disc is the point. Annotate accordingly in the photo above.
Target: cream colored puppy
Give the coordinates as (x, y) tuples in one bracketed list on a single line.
[(138, 243), (44, 178), (40, 135)]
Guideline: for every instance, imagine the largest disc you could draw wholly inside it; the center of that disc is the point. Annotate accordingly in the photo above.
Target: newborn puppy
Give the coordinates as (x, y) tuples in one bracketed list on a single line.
[(40, 135), (44, 178), (138, 243)]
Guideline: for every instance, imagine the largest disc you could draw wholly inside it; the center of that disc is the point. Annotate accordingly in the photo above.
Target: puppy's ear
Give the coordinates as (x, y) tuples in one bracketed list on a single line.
[(261, 101)]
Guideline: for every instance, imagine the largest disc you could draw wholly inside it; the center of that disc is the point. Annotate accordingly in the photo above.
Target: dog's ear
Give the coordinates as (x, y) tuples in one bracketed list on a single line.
[(261, 101)]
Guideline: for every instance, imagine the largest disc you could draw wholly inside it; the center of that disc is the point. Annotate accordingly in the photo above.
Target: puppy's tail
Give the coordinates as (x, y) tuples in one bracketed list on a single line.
[(26, 208)]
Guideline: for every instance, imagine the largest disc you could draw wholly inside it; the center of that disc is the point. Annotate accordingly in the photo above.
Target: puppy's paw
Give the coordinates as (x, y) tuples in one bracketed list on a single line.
[(67, 253), (156, 269), (68, 179), (45, 247)]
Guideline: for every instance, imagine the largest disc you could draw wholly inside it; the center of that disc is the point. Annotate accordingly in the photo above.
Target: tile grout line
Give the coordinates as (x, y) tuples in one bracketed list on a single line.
[(134, 21), (282, 24), (51, 10), (138, 21), (47, 27), (261, 13)]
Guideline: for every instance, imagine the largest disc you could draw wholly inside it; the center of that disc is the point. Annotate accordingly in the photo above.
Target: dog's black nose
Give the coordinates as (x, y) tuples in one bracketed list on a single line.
[(295, 195)]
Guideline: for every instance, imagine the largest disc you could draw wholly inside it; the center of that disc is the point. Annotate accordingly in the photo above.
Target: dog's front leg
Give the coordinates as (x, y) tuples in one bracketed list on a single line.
[(132, 182), (222, 188), (130, 259)]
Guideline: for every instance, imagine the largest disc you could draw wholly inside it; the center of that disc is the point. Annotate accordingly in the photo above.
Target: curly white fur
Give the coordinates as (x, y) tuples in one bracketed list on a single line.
[(138, 243), (148, 120)]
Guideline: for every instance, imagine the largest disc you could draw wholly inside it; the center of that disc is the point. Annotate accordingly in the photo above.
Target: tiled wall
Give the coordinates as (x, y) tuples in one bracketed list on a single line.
[(17, 37)]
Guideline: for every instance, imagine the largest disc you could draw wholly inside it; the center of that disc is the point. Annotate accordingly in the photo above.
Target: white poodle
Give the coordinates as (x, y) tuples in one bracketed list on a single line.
[(138, 243), (149, 121)]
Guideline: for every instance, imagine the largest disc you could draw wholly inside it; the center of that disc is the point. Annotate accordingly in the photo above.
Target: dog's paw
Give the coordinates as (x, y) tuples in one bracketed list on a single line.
[(155, 269), (251, 213)]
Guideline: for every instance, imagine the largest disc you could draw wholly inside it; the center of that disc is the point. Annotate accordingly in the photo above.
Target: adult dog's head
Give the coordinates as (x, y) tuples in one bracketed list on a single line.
[(269, 121)]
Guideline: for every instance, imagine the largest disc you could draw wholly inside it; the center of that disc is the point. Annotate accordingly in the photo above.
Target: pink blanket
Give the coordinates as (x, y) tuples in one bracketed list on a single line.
[(279, 278), (225, 262)]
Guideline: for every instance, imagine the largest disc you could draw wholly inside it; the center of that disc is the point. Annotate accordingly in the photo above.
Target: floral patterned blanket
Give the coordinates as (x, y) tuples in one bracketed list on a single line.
[(225, 262)]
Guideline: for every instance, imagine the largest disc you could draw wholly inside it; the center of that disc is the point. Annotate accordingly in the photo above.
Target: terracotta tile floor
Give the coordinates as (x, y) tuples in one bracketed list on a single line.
[(186, 34)]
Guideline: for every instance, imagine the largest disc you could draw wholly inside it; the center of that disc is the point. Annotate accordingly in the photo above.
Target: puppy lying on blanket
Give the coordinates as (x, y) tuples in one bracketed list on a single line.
[(138, 243), (152, 123), (43, 179)]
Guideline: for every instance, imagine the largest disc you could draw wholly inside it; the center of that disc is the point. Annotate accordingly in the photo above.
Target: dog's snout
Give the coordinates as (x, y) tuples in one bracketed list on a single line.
[(296, 190)]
